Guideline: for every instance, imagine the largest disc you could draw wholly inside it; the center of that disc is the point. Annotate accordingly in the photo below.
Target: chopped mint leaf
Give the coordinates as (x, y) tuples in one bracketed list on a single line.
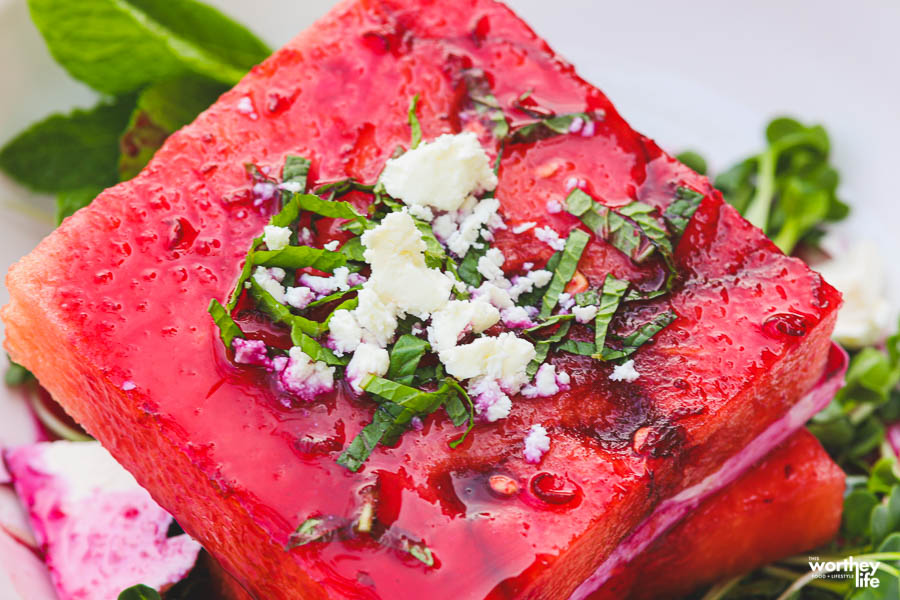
[(388, 417), (118, 46), (414, 126), (571, 254), (340, 295), (16, 374), (482, 101), (336, 209), (434, 252), (163, 108), (458, 412), (694, 160), (299, 257), (533, 297), (228, 329), (295, 171), (69, 152), (679, 212), (613, 291), (282, 314), (405, 357), (315, 350), (468, 267), (542, 348), (639, 337), (587, 298), (577, 347), (353, 249), (139, 592), (546, 128), (548, 322), (336, 189)]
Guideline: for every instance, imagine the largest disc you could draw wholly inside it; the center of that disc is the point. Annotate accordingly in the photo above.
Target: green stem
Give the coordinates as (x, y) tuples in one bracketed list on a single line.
[(758, 210), (721, 589)]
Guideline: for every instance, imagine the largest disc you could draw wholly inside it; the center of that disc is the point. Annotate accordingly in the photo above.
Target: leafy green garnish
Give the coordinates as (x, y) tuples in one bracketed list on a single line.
[(228, 329), (140, 592), (319, 529), (295, 171), (693, 160), (163, 108), (316, 351), (679, 212), (414, 126), (280, 313), (621, 230), (405, 357), (613, 291), (564, 271), (468, 267), (542, 348), (789, 189), (117, 46), (299, 257), (16, 374), (546, 127), (485, 105), (458, 411), (69, 152), (639, 337)]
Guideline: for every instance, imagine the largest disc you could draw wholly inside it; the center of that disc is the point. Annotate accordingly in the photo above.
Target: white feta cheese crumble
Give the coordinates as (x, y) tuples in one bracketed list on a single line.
[(547, 382), (276, 238), (523, 227), (554, 206), (294, 187), (304, 377), (624, 372), (494, 294), (858, 272), (441, 173), (516, 317), (299, 297), (491, 403), (421, 212), (537, 443), (549, 236), (264, 278), (345, 333), (489, 264), (332, 245), (326, 285), (458, 316), (377, 320), (396, 251), (585, 314), (367, 360), (443, 227), (526, 283), (482, 215), (503, 358)]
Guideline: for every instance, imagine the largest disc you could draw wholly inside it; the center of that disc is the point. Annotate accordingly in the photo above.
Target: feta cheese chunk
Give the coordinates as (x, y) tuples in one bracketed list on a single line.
[(585, 314), (276, 238), (377, 319), (490, 264), (547, 382), (344, 332), (537, 443), (251, 352), (624, 372), (264, 278), (483, 215), (550, 237), (396, 251), (491, 403), (503, 358), (299, 297), (458, 316), (441, 173), (304, 377), (368, 360)]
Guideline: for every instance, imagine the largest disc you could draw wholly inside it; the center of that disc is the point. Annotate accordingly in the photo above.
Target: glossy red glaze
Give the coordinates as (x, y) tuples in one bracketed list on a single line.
[(788, 503), (217, 447)]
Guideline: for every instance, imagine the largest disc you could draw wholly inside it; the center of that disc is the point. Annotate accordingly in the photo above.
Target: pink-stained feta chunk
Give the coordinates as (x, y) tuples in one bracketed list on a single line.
[(305, 377), (251, 352), (537, 443), (101, 531)]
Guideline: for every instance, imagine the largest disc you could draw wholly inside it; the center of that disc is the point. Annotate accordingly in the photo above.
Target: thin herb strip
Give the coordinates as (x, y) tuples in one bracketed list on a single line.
[(228, 329), (315, 350), (468, 267), (638, 338), (485, 103), (546, 128), (405, 357), (414, 126), (679, 212), (577, 347), (387, 416), (282, 314), (299, 257), (568, 262), (613, 291), (542, 348), (295, 172), (340, 295), (452, 404)]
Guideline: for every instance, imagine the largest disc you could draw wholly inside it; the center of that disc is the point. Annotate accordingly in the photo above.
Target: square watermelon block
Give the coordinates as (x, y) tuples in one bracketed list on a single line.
[(110, 312)]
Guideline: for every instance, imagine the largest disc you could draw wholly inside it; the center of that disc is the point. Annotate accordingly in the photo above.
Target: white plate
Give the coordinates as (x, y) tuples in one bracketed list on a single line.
[(703, 74)]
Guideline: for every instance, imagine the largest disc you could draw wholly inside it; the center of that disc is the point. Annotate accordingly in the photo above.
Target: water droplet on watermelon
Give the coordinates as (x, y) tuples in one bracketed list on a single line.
[(554, 489), (783, 325)]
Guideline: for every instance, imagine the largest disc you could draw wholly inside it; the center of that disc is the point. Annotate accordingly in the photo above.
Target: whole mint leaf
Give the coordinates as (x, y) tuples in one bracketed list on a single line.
[(139, 592), (69, 152), (117, 46)]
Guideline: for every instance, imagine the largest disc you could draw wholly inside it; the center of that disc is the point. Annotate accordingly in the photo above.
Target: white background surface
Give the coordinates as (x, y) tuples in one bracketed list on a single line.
[(703, 74)]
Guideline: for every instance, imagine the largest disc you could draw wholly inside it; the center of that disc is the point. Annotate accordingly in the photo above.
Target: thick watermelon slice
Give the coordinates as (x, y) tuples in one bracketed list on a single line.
[(788, 503), (98, 530), (110, 313)]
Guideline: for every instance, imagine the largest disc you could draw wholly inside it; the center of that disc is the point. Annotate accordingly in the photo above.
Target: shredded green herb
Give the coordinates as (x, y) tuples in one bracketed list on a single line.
[(613, 291), (562, 274), (228, 329), (414, 126)]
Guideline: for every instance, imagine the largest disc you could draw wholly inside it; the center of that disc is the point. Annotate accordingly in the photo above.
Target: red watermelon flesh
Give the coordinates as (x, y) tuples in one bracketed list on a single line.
[(110, 313), (787, 503)]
